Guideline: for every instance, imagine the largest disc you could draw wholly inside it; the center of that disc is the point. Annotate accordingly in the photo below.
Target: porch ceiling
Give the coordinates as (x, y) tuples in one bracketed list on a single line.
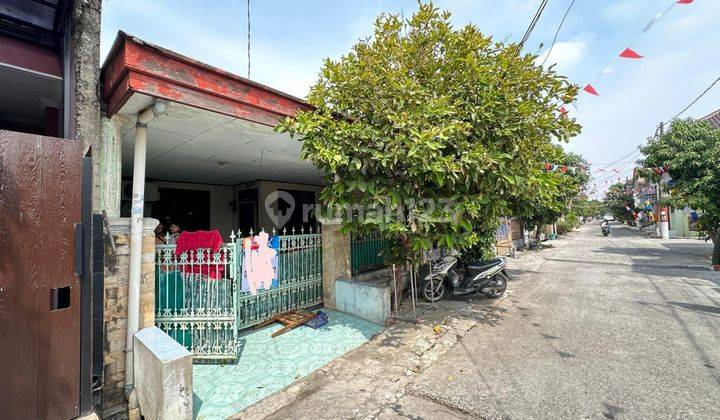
[(188, 144)]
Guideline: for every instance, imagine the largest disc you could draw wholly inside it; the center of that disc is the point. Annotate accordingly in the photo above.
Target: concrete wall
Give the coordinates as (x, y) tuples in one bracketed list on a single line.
[(365, 300), (163, 376), (82, 70), (117, 267), (107, 159), (335, 260)]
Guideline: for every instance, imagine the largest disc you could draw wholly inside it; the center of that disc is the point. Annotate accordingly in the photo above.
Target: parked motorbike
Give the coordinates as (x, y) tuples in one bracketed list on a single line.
[(605, 227), (447, 277)]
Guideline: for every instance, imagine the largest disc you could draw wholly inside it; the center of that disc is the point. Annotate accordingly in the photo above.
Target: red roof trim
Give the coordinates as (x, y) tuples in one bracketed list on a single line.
[(136, 66)]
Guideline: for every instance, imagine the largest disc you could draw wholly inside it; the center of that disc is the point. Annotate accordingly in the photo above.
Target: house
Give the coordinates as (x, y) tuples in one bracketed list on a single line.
[(93, 158), (190, 144)]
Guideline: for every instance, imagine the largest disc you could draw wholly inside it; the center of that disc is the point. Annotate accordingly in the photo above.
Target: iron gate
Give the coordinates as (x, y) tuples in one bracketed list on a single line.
[(198, 297)]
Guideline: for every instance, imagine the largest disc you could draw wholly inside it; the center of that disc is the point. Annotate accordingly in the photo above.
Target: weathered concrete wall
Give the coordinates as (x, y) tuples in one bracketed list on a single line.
[(335, 260), (163, 376), (365, 300), (83, 116), (85, 71), (117, 272), (107, 158)]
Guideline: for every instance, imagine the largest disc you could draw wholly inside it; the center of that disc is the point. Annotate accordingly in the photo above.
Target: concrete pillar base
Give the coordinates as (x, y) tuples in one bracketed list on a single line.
[(335, 259)]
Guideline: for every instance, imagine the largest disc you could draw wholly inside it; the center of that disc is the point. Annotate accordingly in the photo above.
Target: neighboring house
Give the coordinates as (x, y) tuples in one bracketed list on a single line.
[(50, 311), (713, 119)]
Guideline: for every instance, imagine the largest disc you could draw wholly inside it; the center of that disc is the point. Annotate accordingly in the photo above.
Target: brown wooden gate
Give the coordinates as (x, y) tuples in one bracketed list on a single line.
[(40, 203)]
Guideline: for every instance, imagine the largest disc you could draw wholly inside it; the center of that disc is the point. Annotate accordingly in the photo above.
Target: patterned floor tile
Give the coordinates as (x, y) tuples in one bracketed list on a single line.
[(240, 386), (255, 396), (265, 364), (213, 403)]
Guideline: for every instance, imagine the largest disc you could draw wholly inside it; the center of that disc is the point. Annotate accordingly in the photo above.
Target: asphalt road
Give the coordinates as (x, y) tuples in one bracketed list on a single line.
[(616, 327)]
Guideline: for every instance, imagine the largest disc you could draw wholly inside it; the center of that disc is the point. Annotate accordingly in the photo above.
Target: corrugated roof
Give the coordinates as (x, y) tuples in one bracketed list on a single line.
[(713, 119)]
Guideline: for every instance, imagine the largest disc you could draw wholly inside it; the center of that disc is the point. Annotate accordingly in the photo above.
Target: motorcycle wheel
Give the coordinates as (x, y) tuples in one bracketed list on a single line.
[(434, 289), (498, 288)]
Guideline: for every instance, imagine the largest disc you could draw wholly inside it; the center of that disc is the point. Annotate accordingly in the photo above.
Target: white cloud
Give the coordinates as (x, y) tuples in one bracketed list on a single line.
[(565, 54), (608, 71)]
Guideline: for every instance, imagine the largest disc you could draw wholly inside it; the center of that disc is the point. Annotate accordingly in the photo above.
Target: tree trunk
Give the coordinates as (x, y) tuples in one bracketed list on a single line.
[(716, 248), (538, 230)]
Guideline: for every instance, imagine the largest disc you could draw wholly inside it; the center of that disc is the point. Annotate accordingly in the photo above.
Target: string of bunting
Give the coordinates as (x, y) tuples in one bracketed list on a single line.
[(628, 54), (550, 167), (657, 169)]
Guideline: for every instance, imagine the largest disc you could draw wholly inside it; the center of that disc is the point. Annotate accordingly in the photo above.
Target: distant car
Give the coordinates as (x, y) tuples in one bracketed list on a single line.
[(609, 217)]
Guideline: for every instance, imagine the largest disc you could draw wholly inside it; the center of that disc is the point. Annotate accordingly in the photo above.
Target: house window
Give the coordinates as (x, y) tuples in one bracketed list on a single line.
[(190, 209), (302, 198)]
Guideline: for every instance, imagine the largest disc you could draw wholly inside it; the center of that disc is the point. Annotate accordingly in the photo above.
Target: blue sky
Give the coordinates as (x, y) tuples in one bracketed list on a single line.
[(290, 38)]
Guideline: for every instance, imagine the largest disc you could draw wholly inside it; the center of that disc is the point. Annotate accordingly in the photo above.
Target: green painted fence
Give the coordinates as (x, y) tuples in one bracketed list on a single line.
[(299, 281), (199, 299), (365, 252)]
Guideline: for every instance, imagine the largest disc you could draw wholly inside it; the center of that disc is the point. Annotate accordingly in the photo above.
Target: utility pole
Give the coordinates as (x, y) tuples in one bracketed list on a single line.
[(663, 211)]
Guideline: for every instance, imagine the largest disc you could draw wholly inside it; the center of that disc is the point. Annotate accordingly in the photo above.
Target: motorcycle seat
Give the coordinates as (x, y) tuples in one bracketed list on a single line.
[(481, 266)]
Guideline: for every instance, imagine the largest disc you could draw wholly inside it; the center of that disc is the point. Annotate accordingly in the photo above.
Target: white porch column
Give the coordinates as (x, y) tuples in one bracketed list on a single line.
[(136, 229)]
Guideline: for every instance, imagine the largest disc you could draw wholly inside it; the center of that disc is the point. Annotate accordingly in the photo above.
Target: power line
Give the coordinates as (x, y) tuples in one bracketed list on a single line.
[(558, 31), (621, 159), (533, 22), (693, 102)]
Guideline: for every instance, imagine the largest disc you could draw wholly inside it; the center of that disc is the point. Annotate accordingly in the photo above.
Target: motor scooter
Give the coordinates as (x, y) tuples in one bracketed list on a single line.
[(605, 227), (448, 278)]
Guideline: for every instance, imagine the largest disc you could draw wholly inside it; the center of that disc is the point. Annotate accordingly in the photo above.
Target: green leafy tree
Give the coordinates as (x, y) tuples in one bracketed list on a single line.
[(618, 198), (557, 192), (425, 113), (691, 150), (589, 208)]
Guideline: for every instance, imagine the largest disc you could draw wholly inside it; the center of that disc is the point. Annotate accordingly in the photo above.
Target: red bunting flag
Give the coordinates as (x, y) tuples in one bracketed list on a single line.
[(684, 1), (629, 53), (548, 167), (591, 90), (563, 111), (563, 169)]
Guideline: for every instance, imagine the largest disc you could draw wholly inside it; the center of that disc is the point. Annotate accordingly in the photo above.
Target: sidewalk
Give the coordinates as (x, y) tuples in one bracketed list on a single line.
[(374, 379)]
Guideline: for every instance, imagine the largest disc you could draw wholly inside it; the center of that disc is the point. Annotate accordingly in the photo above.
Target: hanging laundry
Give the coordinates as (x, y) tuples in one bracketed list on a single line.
[(205, 242), (258, 269), (274, 243)]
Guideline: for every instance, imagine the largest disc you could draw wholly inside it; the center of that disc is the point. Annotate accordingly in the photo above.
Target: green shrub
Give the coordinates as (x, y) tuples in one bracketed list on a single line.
[(564, 226)]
